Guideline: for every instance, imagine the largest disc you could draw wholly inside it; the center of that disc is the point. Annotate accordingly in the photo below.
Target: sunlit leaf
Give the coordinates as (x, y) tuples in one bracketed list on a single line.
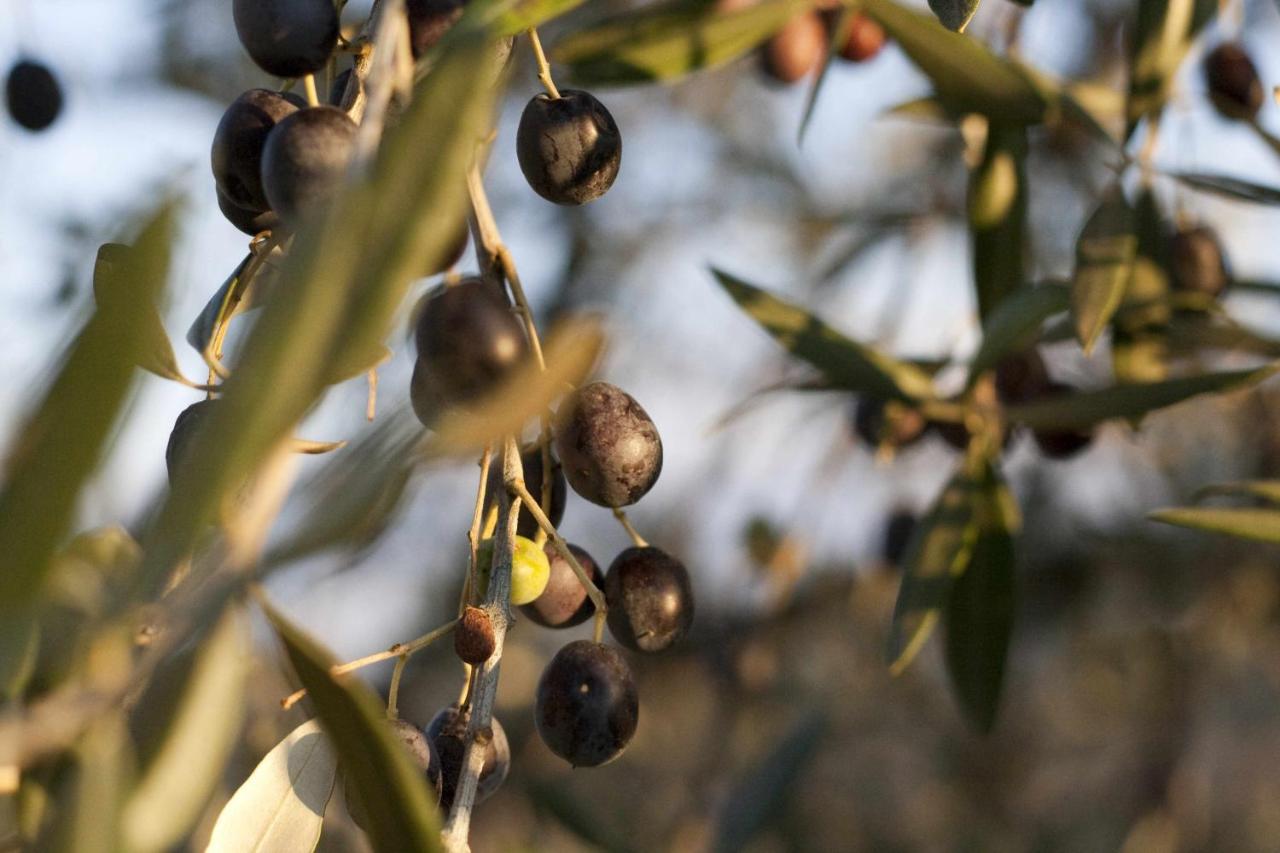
[(280, 807), (403, 817), (1104, 264), (510, 17), (1014, 322), (668, 40), (1236, 189), (954, 14), (998, 217), (844, 362), (1262, 525), (202, 730), (1087, 408)]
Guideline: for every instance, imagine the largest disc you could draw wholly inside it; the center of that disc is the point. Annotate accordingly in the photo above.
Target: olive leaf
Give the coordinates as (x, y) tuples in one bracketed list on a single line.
[(967, 77), (1262, 525), (668, 41), (89, 791), (402, 812), (1236, 189), (1084, 409), (1161, 36), (511, 17), (1014, 321), (1267, 490), (1104, 263), (845, 363), (980, 607), (835, 40), (998, 216), (280, 807), (954, 14)]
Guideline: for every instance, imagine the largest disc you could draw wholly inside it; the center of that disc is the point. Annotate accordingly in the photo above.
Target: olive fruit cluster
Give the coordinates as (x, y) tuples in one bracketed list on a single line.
[(800, 46), (33, 95)]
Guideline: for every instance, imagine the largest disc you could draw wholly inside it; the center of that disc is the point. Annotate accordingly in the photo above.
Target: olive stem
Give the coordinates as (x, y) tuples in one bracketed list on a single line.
[(544, 67), (519, 489), (309, 85), (371, 407), (477, 520), (545, 498), (393, 694), (397, 650), (627, 526)]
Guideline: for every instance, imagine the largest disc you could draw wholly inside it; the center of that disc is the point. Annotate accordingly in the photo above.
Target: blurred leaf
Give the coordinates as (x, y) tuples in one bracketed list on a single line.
[(758, 797), (1267, 490), (402, 812), (835, 40), (345, 277), (1262, 525), (200, 734), (846, 363), (1013, 322), (1139, 358), (90, 791), (1162, 34), (1086, 408), (981, 605), (998, 217), (1188, 333), (966, 75), (358, 363), (954, 14), (511, 17), (668, 40), (19, 646), (940, 548), (280, 807), (59, 446), (1104, 263), (927, 108), (1228, 187)]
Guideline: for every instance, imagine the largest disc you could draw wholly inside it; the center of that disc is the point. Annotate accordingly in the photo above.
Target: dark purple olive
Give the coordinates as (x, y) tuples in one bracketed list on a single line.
[(564, 603), (1232, 78), (531, 461), (608, 444), (1197, 263), (448, 734), (569, 147), (429, 20), (469, 340), (650, 599), (305, 161), (33, 95), (587, 707), (239, 140), (188, 423), (251, 222), (1022, 376), (287, 38)]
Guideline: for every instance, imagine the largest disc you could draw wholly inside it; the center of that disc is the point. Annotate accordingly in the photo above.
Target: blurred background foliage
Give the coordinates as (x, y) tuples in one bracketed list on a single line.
[(1142, 699)]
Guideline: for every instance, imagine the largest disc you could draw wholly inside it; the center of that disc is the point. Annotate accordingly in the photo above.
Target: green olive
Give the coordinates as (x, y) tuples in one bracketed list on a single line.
[(530, 569)]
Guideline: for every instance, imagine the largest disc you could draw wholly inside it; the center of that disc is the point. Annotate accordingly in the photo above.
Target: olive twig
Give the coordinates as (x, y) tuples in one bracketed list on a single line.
[(544, 67), (627, 526), (518, 488), (393, 694), (309, 86), (477, 521)]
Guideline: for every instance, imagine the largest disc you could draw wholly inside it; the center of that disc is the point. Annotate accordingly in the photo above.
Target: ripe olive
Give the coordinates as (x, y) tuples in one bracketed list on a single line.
[(1197, 263), (419, 748), (1022, 376), (1232, 78), (448, 734), (1061, 443), (468, 339), (33, 94), (610, 448), (305, 161), (239, 140), (425, 395), (287, 38), (796, 49), (530, 569), (569, 147), (429, 20), (189, 421), (650, 599), (245, 219), (564, 603), (531, 461), (587, 706)]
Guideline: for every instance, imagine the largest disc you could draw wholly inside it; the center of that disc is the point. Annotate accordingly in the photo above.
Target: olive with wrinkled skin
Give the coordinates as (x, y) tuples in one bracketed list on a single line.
[(305, 161), (569, 147), (468, 339), (419, 749), (447, 732), (287, 38), (565, 603), (650, 599), (33, 95), (608, 444), (238, 142), (587, 706)]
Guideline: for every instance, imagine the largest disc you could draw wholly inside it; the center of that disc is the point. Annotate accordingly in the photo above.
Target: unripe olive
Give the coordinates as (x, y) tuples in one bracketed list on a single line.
[(33, 94), (468, 339), (587, 706), (448, 734), (1233, 82), (650, 599), (419, 748), (429, 20), (188, 423), (796, 49), (287, 38), (531, 462), (1196, 262), (569, 147), (305, 161), (249, 221), (565, 603), (608, 444), (530, 569), (239, 140)]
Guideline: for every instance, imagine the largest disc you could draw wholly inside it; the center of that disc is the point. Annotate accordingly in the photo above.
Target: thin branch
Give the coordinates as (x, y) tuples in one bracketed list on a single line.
[(544, 67), (518, 488), (631, 531)]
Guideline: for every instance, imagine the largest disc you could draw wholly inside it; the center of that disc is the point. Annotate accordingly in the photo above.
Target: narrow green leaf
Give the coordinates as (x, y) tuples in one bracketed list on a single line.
[(1014, 321), (280, 807), (846, 363), (511, 17), (1104, 264), (402, 813), (966, 75), (835, 40), (1267, 490), (940, 548), (980, 608), (669, 40), (1087, 408), (59, 446), (1161, 37), (998, 217), (954, 14), (1236, 189), (1262, 525), (200, 735)]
